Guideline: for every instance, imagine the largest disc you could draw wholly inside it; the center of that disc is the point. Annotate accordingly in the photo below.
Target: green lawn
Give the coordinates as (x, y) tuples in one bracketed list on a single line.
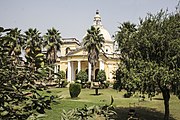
[(154, 108)]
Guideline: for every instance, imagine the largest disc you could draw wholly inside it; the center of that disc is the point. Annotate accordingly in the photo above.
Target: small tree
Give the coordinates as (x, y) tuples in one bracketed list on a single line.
[(82, 75), (61, 76), (101, 76)]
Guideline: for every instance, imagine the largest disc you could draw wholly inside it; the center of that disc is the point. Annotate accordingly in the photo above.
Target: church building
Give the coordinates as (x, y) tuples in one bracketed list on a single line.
[(74, 57)]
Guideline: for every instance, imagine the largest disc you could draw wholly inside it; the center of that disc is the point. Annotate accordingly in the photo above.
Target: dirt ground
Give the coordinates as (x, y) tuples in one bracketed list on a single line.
[(141, 113)]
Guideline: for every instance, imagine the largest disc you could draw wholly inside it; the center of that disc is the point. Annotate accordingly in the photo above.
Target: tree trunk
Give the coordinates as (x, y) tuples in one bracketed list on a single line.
[(92, 74), (166, 97)]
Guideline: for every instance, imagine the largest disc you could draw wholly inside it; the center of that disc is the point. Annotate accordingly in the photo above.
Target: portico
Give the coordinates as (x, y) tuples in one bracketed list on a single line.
[(73, 67), (74, 57)]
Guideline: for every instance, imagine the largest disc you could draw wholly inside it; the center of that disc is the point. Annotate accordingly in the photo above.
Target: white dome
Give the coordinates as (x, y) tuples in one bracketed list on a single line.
[(106, 34), (97, 23)]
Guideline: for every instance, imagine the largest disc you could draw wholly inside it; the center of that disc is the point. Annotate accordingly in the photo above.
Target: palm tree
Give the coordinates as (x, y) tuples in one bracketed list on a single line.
[(15, 44), (93, 43), (52, 43), (32, 45)]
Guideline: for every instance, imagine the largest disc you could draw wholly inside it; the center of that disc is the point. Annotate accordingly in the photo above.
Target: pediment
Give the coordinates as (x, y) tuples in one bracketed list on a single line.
[(77, 52), (81, 52)]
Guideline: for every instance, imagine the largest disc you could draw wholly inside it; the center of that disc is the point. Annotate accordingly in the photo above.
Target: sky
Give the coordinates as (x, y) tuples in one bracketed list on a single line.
[(73, 17)]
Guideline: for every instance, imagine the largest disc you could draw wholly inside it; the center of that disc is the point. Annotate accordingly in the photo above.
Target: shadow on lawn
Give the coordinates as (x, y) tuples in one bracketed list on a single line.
[(142, 112)]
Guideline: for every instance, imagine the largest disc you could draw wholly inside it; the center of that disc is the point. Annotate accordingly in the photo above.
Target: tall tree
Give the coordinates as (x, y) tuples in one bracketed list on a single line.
[(16, 36), (52, 43), (151, 56), (32, 46), (93, 43), (19, 97)]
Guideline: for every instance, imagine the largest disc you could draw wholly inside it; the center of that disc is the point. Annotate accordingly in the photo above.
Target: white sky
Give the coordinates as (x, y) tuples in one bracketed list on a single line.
[(73, 17)]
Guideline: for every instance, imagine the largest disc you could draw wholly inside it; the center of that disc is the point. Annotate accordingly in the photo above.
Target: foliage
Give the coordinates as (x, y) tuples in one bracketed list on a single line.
[(19, 97), (65, 83), (127, 95), (150, 55), (61, 78), (101, 76), (62, 74), (52, 42), (106, 84), (82, 75), (74, 89), (93, 43), (92, 112)]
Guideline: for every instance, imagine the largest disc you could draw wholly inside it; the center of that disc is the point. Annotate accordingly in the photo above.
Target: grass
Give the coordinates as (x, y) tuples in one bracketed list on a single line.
[(149, 109)]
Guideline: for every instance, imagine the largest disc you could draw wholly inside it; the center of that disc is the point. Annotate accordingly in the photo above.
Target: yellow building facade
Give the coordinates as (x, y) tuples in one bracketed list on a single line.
[(73, 56)]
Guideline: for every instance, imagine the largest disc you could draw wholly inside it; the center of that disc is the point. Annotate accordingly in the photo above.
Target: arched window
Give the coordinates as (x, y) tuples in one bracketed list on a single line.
[(67, 50)]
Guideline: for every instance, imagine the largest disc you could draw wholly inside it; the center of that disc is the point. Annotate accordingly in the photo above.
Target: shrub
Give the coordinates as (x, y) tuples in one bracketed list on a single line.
[(116, 85), (127, 95), (101, 76), (105, 112), (62, 74), (74, 89), (107, 84), (61, 78), (82, 75), (178, 94), (65, 82), (87, 85)]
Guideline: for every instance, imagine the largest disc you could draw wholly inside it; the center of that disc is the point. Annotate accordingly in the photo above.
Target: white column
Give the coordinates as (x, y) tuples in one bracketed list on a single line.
[(101, 65), (72, 71), (89, 72), (55, 71), (69, 71), (79, 66)]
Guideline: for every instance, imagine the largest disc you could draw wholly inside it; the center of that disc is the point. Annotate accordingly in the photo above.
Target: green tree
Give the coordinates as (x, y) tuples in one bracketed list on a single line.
[(93, 43), (19, 97), (32, 46), (16, 36), (62, 74), (82, 75), (101, 76), (61, 77), (151, 55), (52, 43)]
